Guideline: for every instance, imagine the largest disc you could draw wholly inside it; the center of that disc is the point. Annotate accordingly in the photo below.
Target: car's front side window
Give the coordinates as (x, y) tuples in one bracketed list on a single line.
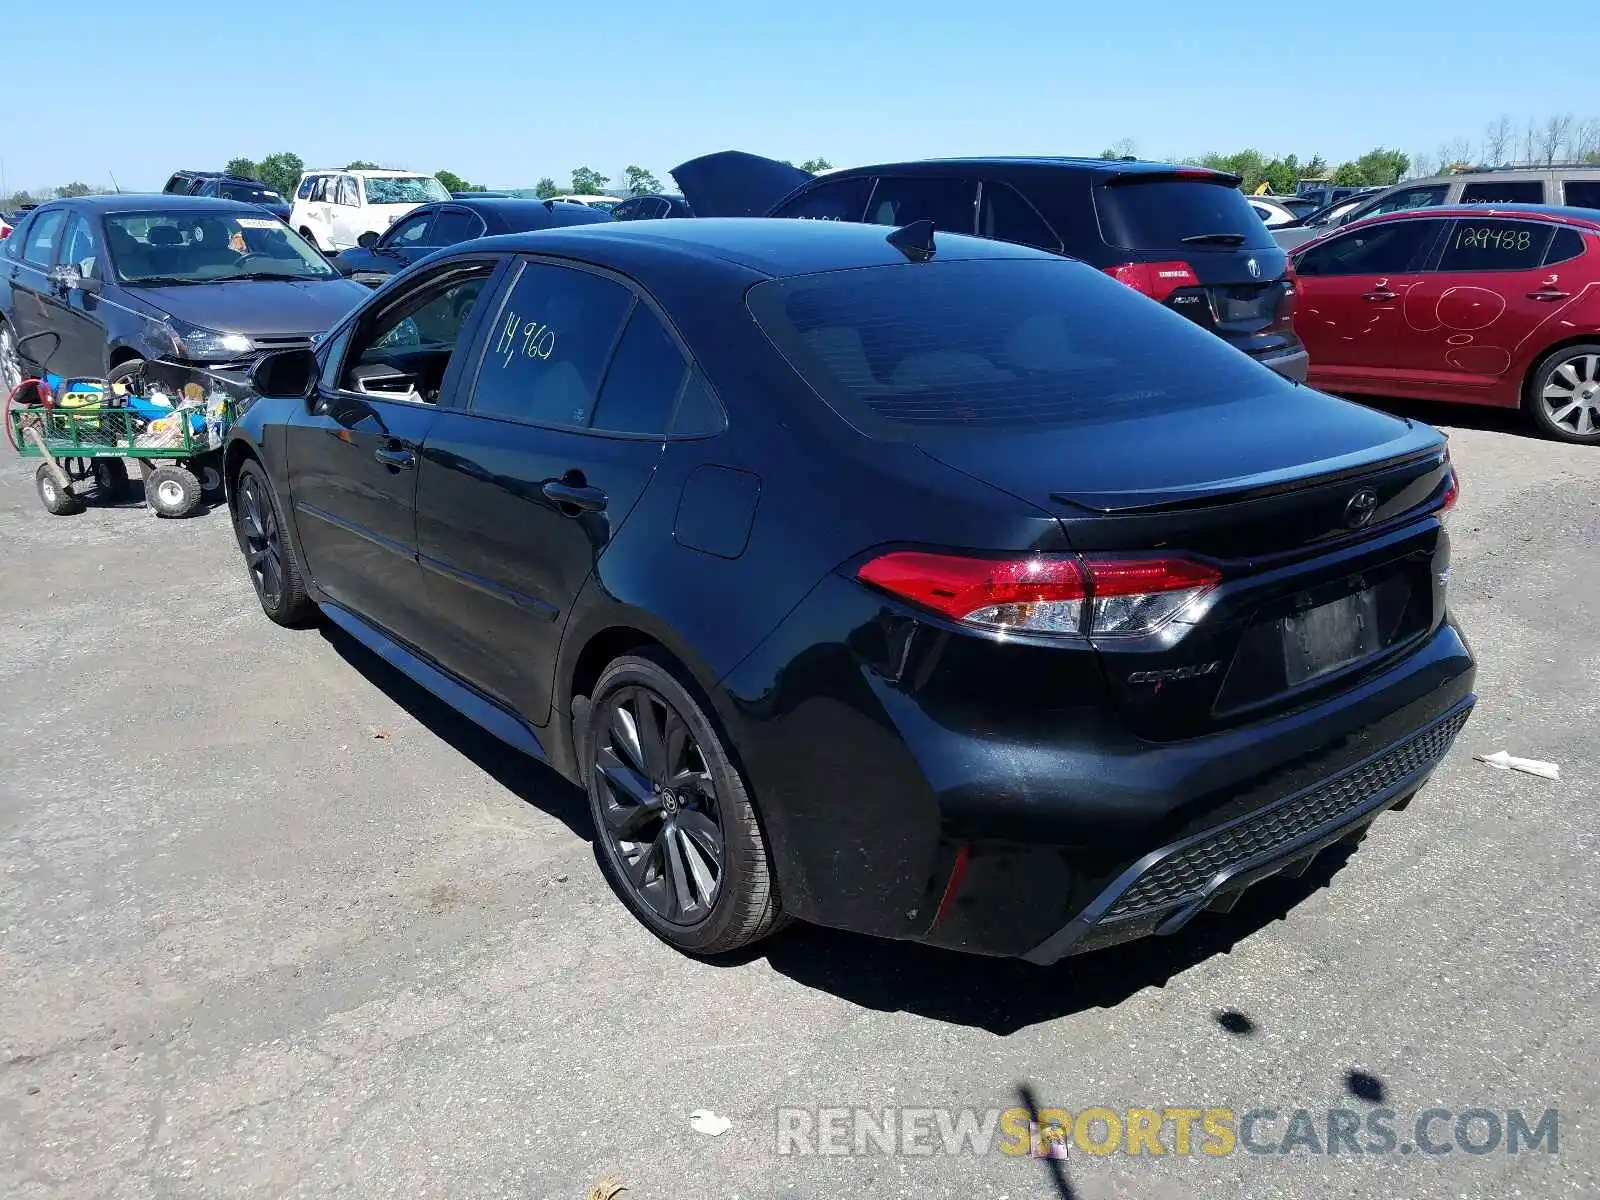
[(411, 232), (83, 248), (403, 350), (838, 200), (548, 346), (1419, 197), (950, 203), (349, 194), (1392, 248)]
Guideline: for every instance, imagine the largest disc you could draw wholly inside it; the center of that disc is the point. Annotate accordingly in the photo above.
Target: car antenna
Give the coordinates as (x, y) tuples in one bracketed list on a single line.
[(915, 240), (114, 183)]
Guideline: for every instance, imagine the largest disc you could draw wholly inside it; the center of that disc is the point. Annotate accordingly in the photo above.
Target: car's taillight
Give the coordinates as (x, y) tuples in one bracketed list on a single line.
[(5, 232), (1452, 488), (1158, 280), (1062, 597)]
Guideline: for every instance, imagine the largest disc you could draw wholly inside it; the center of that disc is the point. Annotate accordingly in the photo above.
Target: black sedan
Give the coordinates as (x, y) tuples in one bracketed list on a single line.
[(926, 586), (430, 227), (193, 281)]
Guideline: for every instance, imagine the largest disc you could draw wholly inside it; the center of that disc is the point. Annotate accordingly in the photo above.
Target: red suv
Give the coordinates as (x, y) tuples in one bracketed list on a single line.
[(1478, 304)]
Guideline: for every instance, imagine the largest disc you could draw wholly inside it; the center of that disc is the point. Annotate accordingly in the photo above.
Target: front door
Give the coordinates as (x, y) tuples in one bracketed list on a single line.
[(525, 486), (77, 311), (1352, 306), (353, 455), (345, 213)]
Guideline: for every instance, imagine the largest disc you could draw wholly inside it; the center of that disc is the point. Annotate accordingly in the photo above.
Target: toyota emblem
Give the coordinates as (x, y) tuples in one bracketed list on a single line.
[(1360, 507), (1254, 268)]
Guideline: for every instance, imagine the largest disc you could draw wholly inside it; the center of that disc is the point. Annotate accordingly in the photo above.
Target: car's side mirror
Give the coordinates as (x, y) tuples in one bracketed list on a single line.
[(285, 373), (367, 240)]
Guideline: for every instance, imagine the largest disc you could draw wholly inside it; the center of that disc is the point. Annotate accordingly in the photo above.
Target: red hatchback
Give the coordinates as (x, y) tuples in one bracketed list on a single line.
[(1479, 304)]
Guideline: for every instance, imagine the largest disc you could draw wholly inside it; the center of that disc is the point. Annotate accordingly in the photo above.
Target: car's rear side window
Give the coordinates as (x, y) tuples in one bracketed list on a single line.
[(1165, 212), (1581, 193), (1565, 246), (1019, 343), (1504, 191)]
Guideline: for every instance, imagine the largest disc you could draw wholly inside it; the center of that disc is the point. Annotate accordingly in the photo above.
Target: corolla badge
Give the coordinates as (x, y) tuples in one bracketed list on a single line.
[(1359, 508), (1254, 268)]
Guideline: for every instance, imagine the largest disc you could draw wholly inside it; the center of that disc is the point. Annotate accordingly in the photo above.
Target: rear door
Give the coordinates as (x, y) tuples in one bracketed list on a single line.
[(31, 309), (353, 453), (1495, 283), (526, 484), (1352, 307), (1191, 240), (77, 312)]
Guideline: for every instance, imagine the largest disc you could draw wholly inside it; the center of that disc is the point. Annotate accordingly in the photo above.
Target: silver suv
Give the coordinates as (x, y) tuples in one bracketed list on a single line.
[(1573, 186)]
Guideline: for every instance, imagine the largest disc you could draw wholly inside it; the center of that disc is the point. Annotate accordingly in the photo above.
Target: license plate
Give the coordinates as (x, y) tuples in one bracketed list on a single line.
[(1329, 636), (1241, 304)]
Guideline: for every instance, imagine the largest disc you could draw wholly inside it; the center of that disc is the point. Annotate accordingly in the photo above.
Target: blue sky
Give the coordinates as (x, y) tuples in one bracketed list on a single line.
[(503, 93)]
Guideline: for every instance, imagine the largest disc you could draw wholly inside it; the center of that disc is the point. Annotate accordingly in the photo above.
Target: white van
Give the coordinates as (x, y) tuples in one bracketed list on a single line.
[(332, 209)]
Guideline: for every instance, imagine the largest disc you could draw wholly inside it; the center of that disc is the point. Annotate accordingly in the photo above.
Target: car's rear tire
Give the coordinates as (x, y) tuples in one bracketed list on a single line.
[(675, 830), (1563, 394), (268, 552)]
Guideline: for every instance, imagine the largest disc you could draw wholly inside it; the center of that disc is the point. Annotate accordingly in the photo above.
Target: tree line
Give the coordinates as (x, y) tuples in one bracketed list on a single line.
[(1505, 142)]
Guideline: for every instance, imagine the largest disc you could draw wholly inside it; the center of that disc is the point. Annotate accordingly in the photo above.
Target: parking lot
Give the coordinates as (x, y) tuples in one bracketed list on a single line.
[(276, 923)]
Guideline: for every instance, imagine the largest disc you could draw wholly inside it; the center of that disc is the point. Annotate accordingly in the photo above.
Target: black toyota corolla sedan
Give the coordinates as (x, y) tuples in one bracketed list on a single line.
[(910, 583)]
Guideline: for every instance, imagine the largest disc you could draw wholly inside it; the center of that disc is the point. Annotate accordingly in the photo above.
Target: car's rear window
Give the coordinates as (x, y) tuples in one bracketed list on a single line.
[(1160, 212), (995, 343)]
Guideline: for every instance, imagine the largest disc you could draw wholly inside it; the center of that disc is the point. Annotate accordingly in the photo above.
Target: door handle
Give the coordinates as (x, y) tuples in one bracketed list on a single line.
[(582, 498), (1548, 294), (396, 458), (1380, 295)]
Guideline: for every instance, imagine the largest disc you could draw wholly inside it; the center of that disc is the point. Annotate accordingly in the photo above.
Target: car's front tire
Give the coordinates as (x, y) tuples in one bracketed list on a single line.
[(675, 830), (269, 554)]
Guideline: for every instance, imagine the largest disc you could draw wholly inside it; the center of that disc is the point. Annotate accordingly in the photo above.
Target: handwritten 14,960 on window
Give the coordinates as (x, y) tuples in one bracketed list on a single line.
[(523, 338)]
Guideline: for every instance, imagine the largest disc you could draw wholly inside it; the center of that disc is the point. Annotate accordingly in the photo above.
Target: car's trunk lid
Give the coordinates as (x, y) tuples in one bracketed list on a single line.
[(733, 183)]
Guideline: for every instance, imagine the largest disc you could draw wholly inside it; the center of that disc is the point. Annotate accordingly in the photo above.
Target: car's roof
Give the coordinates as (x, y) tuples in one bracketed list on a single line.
[(513, 209), (951, 166), (771, 247), (158, 202), (364, 171), (1549, 212)]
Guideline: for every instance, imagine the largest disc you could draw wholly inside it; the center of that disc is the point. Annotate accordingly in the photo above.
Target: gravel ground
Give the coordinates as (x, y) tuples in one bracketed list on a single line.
[(275, 923)]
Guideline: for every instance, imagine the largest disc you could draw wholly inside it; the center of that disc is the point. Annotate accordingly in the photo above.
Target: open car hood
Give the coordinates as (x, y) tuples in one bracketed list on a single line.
[(732, 183)]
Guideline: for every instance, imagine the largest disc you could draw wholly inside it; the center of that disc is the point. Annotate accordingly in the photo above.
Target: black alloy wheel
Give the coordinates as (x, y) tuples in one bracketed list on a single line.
[(676, 832), (263, 542), (269, 557), (659, 804)]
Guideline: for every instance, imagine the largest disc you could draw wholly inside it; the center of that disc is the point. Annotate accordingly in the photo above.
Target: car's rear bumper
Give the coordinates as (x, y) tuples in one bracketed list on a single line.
[(1161, 892)]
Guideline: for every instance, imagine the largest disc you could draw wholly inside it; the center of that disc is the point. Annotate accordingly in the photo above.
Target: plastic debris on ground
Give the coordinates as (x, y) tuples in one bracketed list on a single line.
[(1528, 766), (703, 1120)]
